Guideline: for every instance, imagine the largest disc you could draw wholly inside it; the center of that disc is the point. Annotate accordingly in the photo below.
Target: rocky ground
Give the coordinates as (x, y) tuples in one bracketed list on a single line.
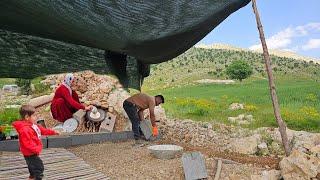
[(122, 161), (247, 154), (261, 147)]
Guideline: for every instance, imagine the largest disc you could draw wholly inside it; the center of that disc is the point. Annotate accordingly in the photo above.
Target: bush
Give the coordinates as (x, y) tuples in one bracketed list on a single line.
[(239, 70), (7, 116)]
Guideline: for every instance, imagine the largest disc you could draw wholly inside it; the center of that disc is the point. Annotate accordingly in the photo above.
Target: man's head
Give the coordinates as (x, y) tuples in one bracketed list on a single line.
[(159, 99), (27, 112)]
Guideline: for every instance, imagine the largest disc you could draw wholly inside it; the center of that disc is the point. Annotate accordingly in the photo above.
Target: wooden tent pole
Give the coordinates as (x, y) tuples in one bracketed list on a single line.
[(275, 103)]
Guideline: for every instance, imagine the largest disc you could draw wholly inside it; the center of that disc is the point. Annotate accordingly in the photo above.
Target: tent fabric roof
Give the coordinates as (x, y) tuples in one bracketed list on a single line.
[(151, 31)]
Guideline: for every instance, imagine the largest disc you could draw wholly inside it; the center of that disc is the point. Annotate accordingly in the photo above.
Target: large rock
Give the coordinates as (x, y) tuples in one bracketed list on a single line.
[(116, 99), (305, 140), (246, 145), (299, 166), (316, 150), (159, 112), (263, 149), (299, 139)]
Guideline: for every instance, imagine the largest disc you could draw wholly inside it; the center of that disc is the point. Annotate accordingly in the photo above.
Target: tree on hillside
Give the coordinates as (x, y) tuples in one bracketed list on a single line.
[(239, 70)]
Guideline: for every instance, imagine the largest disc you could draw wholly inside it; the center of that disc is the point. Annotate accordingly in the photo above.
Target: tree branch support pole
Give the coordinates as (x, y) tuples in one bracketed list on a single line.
[(275, 103)]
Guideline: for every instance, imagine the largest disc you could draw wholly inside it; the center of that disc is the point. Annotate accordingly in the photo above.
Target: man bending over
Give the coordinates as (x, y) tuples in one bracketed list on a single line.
[(134, 107)]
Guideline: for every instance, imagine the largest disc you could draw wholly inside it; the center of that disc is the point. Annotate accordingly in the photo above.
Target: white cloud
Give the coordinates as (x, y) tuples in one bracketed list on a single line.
[(312, 44), (283, 39)]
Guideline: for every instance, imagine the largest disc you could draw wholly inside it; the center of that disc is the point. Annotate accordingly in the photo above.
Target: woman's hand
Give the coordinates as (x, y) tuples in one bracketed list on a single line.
[(88, 108)]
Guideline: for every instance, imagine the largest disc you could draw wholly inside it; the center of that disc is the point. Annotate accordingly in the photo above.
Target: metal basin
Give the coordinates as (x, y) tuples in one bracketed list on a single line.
[(166, 151)]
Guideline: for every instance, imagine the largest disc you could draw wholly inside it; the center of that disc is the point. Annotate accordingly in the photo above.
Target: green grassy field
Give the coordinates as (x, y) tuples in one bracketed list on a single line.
[(299, 101), (4, 81)]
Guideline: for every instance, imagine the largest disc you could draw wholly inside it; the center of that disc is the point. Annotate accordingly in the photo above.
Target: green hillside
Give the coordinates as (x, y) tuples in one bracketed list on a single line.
[(297, 84), (198, 63)]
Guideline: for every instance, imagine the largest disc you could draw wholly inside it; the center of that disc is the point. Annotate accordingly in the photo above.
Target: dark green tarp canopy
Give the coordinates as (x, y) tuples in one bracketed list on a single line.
[(152, 31)]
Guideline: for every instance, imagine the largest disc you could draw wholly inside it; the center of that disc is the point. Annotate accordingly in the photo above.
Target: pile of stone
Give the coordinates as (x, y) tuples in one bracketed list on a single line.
[(201, 134), (236, 106), (262, 141), (102, 91), (92, 88), (99, 90)]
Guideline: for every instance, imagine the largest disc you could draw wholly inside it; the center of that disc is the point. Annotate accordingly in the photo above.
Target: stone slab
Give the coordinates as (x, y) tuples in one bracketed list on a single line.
[(107, 124), (146, 128), (81, 139), (96, 137), (13, 145), (72, 140), (165, 151), (44, 140), (194, 166), (130, 134), (59, 141), (105, 136), (80, 115), (9, 145)]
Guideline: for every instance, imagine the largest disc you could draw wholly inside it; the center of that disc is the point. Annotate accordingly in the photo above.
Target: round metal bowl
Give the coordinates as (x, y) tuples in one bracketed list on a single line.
[(59, 128), (70, 125), (166, 151)]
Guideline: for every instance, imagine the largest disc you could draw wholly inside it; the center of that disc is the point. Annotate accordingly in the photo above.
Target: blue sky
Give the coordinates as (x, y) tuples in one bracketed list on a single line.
[(292, 25)]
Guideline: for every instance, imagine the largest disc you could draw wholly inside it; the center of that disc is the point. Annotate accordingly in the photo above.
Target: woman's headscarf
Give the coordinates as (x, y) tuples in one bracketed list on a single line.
[(67, 81)]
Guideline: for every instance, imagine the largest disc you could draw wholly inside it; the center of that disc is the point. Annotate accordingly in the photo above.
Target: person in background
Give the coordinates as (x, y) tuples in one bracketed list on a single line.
[(66, 101), (134, 107), (30, 142)]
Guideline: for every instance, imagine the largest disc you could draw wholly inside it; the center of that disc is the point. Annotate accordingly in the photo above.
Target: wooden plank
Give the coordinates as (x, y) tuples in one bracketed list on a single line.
[(47, 159), (17, 158), (47, 162), (59, 164), (45, 151), (55, 166), (53, 171), (217, 175), (65, 175)]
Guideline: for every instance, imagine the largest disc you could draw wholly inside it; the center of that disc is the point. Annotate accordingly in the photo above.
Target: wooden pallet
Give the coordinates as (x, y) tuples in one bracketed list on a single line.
[(58, 164)]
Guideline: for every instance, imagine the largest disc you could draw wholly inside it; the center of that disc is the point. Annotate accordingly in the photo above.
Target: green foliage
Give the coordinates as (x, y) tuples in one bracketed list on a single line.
[(25, 85), (239, 70), (7, 116), (39, 88)]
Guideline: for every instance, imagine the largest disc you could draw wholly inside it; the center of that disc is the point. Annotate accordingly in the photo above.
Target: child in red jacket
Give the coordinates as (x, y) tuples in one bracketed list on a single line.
[(29, 140)]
